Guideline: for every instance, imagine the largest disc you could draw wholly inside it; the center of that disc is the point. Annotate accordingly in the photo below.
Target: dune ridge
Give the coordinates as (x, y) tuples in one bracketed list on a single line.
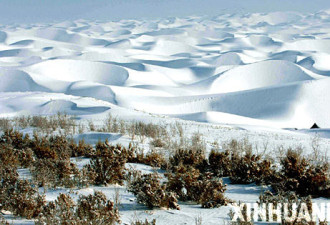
[(269, 68)]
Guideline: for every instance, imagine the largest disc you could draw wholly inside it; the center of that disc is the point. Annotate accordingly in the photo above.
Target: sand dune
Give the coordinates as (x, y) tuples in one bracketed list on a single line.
[(258, 69)]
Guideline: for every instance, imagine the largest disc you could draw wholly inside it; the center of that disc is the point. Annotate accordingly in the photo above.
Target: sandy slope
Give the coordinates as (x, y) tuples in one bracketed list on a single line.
[(269, 69)]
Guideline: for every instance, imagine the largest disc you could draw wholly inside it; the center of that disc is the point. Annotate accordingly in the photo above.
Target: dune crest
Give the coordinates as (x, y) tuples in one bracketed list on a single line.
[(270, 68)]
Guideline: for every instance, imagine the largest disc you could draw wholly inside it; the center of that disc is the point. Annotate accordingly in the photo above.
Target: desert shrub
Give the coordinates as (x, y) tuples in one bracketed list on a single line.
[(55, 147), (249, 168), (220, 163), (184, 182), (151, 192), (53, 173), (25, 157), (143, 130), (158, 143), (238, 147), (19, 196), (5, 124), (198, 143), (302, 177), (187, 157), (108, 166), (15, 138), (97, 209), (8, 157), (238, 162), (136, 155), (146, 222), (14, 149), (189, 184), (81, 149), (154, 159), (212, 192), (89, 210)]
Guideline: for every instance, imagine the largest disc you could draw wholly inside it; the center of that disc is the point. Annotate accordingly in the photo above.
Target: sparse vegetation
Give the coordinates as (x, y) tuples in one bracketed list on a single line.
[(92, 209), (107, 166), (303, 177), (149, 191), (191, 174), (19, 196)]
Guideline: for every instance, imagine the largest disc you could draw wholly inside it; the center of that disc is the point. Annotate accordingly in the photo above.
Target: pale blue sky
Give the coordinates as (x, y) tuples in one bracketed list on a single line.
[(27, 11)]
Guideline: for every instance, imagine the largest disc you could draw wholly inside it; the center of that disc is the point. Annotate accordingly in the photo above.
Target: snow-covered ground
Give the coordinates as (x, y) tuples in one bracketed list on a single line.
[(254, 76)]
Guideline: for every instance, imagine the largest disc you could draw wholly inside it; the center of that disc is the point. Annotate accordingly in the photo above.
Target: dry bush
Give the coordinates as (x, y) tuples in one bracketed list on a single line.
[(5, 124), (191, 185), (249, 168), (154, 159), (89, 210), (96, 209), (299, 175), (238, 147), (212, 192), (14, 149), (184, 182), (188, 157), (81, 149), (151, 192), (220, 163), (53, 147), (143, 130), (108, 165), (15, 138), (198, 143), (53, 173), (157, 143), (136, 155), (19, 196), (146, 222), (8, 157)]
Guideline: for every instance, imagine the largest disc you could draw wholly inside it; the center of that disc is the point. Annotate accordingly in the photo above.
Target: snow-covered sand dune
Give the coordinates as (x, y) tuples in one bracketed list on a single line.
[(270, 69)]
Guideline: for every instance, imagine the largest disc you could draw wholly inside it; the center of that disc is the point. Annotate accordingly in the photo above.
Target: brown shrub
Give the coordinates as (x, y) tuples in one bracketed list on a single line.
[(151, 192), (16, 139), (5, 124), (194, 158), (81, 149), (89, 210), (53, 173), (19, 196), (249, 168), (302, 177), (189, 184), (154, 159), (184, 182), (220, 163), (212, 192), (8, 157), (108, 166), (96, 209), (158, 143)]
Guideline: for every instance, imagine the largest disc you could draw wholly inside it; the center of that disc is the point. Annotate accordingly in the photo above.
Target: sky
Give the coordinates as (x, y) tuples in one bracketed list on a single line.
[(33, 11)]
